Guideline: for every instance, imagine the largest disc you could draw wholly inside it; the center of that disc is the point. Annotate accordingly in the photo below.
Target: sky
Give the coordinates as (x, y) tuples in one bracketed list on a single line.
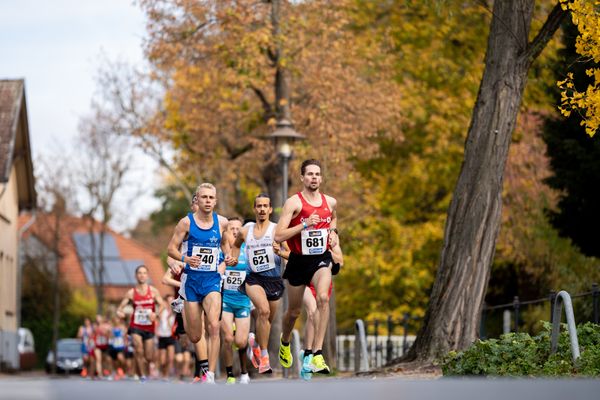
[(56, 47)]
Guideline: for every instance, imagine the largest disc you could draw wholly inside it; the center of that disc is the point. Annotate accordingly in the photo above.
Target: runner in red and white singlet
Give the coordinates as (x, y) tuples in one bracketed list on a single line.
[(308, 223), (143, 297)]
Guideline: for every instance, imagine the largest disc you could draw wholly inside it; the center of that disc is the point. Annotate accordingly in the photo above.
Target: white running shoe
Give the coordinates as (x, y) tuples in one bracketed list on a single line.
[(177, 305), (244, 379), (210, 378)]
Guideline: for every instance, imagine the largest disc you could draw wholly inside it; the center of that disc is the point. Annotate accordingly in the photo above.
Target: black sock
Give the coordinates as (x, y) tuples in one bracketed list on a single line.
[(196, 367), (229, 371), (242, 354), (204, 366), (307, 352), (318, 352)]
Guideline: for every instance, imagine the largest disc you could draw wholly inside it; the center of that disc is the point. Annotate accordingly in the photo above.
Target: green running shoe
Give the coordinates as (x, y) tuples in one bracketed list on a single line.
[(318, 365), (285, 355)]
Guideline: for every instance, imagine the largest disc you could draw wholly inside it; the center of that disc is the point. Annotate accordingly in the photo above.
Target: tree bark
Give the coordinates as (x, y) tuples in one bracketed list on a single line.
[(454, 312)]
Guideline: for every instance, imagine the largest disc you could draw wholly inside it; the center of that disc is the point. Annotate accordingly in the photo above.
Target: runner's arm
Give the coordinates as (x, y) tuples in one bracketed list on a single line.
[(183, 226), (169, 280), (124, 302), (333, 236), (159, 300), (282, 250), (283, 231), (237, 244)]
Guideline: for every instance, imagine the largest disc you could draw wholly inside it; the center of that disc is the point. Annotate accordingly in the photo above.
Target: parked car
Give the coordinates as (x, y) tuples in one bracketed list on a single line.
[(26, 348), (69, 357)]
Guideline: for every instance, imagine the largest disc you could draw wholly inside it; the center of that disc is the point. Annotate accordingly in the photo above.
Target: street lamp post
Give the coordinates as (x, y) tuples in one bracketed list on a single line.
[(283, 136)]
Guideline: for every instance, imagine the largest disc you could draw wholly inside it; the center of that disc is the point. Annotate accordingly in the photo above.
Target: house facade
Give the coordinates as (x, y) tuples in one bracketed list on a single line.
[(17, 193)]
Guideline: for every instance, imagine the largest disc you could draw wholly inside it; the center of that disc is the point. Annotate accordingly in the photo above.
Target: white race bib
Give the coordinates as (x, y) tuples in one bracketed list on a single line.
[(262, 259), (314, 241), (233, 279), (141, 316), (118, 342), (209, 258)]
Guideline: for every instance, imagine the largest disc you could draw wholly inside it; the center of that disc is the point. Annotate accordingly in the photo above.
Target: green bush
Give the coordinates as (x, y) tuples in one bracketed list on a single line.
[(519, 354)]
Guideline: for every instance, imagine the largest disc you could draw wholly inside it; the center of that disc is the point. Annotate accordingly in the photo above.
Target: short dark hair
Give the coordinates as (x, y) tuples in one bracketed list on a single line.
[(306, 163), (262, 196), (140, 266), (235, 219)]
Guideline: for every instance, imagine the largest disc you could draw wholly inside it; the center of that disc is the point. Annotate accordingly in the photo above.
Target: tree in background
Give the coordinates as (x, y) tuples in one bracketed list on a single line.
[(584, 100), (454, 311), (101, 175), (574, 158)]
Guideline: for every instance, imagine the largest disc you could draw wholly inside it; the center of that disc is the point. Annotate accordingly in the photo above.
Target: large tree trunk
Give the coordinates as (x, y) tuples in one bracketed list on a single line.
[(453, 316)]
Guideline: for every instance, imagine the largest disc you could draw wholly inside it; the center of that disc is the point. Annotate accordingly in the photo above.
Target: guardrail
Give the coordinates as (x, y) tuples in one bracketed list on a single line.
[(517, 304)]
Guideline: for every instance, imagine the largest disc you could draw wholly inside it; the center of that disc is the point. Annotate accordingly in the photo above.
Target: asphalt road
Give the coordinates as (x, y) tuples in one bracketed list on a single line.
[(318, 389)]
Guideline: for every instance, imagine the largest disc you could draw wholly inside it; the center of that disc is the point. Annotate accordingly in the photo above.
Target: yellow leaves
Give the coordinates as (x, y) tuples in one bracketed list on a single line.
[(585, 15)]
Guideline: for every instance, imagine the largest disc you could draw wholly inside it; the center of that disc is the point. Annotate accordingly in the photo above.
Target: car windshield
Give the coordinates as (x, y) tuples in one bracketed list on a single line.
[(69, 347)]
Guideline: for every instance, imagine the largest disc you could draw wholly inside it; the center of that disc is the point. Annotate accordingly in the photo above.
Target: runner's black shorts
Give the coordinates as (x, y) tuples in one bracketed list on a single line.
[(114, 353), (273, 285), (301, 268), (144, 334), (179, 328), (164, 342)]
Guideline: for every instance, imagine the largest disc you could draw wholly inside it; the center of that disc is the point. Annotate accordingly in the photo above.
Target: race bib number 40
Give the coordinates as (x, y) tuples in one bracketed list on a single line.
[(314, 241), (141, 316), (262, 259), (233, 279), (209, 258)]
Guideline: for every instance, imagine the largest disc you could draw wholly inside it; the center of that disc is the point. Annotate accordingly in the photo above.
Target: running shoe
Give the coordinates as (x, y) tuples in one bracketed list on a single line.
[(210, 378), (306, 371), (143, 379), (84, 373), (285, 355), (318, 365), (230, 380), (197, 379), (253, 350), (177, 305), (307, 363), (244, 379), (265, 365)]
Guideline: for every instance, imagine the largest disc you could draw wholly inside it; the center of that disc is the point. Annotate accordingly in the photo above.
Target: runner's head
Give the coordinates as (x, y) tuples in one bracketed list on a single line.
[(310, 172), (141, 274), (206, 194), (234, 225), (262, 207), (194, 203)]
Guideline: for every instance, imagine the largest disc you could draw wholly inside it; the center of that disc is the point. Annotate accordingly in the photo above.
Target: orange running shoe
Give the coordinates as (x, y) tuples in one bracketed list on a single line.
[(265, 366), (84, 373)]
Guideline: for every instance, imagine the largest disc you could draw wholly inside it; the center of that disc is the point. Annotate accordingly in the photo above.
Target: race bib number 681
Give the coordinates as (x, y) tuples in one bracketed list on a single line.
[(314, 241)]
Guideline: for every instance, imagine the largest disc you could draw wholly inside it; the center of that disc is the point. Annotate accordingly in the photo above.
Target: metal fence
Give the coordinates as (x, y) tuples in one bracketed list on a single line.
[(382, 345), (512, 311)]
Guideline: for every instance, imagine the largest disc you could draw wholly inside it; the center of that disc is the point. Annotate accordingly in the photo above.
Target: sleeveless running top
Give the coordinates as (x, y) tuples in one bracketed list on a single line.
[(234, 277), (261, 257), (143, 306), (165, 324), (101, 338), (117, 341), (314, 239), (205, 243)]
